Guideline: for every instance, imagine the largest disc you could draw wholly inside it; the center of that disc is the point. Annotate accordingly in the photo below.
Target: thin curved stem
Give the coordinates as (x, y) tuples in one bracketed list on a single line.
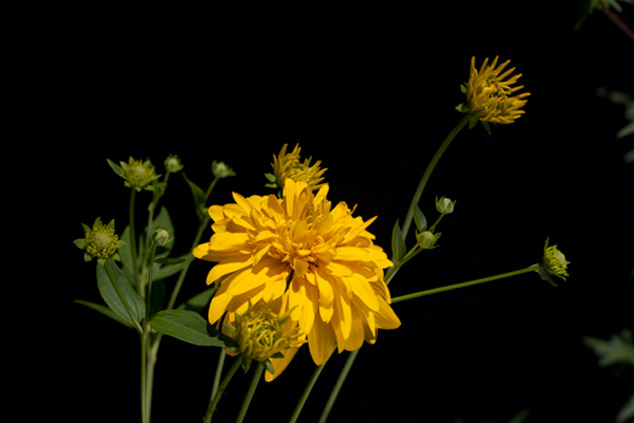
[(216, 398), (306, 393), (532, 268), (430, 168), (335, 391), (257, 375)]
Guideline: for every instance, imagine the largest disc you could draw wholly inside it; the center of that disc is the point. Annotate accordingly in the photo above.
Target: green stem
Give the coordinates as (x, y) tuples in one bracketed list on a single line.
[(214, 401), (158, 193), (306, 393), (117, 289), (145, 408), (335, 391), (221, 363), (430, 168), (257, 375), (528, 269), (133, 250)]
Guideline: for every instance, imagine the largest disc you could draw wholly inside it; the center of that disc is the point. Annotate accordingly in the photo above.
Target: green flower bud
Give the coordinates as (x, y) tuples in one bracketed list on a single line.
[(161, 237), (427, 239), (138, 175), (100, 241), (221, 170), (173, 164), (444, 205), (555, 262)]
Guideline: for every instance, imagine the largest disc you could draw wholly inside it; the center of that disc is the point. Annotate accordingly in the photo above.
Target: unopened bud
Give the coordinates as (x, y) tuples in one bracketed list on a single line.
[(444, 205)]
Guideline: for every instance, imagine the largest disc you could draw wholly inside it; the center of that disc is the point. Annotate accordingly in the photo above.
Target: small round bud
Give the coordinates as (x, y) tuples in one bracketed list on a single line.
[(161, 237), (221, 170), (444, 205), (427, 239), (173, 164)]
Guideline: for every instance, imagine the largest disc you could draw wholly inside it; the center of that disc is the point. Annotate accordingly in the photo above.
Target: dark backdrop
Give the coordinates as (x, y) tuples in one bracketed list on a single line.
[(369, 91)]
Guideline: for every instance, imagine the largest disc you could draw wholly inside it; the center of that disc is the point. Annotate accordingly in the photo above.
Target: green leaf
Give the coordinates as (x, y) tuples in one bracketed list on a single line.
[(398, 243), (200, 301), (125, 252), (117, 169), (170, 261), (420, 220), (199, 195), (627, 412), (111, 298), (618, 349), (462, 108), (487, 127), (105, 311), (172, 269), (271, 178), (187, 326)]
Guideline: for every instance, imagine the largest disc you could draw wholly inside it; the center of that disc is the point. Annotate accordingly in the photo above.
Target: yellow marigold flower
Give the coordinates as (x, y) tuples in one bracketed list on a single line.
[(289, 166), (260, 334), (306, 258), (490, 96)]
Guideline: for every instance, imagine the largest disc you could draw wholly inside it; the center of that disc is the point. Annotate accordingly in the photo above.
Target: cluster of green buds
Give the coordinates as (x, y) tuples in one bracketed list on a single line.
[(173, 164), (427, 237), (100, 242), (260, 335), (553, 263)]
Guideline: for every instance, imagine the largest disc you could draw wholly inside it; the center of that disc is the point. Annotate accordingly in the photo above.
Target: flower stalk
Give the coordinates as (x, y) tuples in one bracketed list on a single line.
[(257, 375), (223, 385), (428, 171)]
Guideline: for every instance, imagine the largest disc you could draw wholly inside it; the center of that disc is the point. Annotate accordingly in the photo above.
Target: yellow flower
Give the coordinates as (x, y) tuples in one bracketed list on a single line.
[(490, 96), (554, 261), (304, 257), (288, 166), (260, 334)]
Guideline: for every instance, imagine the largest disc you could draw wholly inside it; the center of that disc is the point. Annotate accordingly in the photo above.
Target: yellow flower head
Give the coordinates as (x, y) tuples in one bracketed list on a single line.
[(304, 257), (288, 166), (555, 262), (261, 334), (490, 96)]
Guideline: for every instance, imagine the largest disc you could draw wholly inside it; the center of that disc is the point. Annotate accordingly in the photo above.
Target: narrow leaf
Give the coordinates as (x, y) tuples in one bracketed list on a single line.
[(187, 326), (398, 243), (200, 301), (420, 219), (199, 195), (105, 311), (112, 299), (172, 269)]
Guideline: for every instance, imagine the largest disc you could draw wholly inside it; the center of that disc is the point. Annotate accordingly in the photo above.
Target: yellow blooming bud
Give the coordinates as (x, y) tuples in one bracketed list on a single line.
[(100, 241), (444, 205), (260, 334), (173, 164), (491, 95), (288, 165), (555, 262)]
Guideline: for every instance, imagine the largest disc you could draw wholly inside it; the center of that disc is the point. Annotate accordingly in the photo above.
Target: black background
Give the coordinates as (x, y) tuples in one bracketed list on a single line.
[(369, 91)]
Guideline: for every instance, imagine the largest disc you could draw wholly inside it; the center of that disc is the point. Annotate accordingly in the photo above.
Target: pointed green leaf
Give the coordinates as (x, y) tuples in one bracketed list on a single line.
[(627, 412), (419, 219), (199, 195), (200, 301), (398, 243), (172, 269), (112, 299), (117, 169), (187, 326), (105, 311)]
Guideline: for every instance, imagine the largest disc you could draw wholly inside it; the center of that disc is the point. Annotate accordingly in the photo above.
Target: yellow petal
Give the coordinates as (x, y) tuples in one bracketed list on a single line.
[(321, 342), (386, 318), (235, 263), (280, 364)]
